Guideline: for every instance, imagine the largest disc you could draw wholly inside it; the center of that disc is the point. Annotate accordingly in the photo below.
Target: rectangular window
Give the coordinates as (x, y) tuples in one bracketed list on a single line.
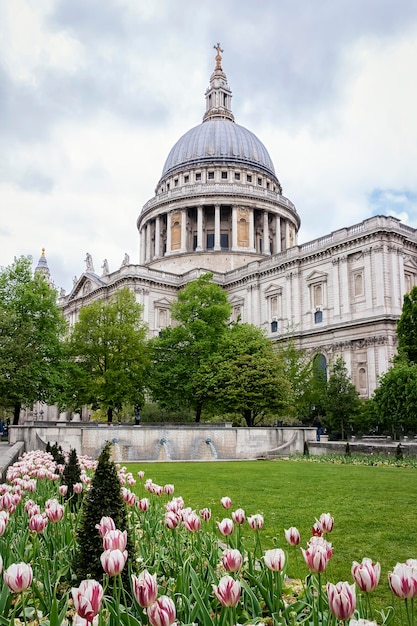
[(224, 175), (198, 176), (259, 181), (249, 178), (186, 178), (210, 241), (224, 241), (176, 182), (318, 317), (274, 326), (211, 175), (194, 242), (237, 175)]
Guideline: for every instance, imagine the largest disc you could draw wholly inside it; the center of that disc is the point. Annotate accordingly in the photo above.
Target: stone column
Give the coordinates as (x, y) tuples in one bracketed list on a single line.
[(184, 230), (169, 233), (277, 234), (217, 227), (234, 227), (251, 231), (265, 244), (199, 247), (142, 246), (287, 236), (157, 238), (147, 242)]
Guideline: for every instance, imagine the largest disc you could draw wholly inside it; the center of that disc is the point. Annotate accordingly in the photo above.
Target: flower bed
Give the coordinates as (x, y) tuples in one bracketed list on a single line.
[(171, 563)]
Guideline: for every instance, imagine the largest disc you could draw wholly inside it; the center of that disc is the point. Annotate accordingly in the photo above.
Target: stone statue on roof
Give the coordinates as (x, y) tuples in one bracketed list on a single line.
[(89, 263)]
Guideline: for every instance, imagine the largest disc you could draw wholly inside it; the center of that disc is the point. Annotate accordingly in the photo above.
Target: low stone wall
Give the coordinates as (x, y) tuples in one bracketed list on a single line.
[(165, 442), (364, 446), (9, 455)]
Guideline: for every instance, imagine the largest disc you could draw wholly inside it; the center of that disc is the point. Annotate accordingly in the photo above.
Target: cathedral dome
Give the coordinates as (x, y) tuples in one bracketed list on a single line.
[(218, 140)]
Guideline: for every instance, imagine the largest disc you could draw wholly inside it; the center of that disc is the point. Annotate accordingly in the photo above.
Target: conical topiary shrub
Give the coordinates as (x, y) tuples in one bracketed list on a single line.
[(104, 499), (70, 476)]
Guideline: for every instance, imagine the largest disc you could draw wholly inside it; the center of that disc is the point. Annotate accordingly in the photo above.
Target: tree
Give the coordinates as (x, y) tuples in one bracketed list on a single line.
[(104, 499), (202, 314), (396, 399), (246, 375), (342, 399), (108, 352), (31, 338), (407, 327), (298, 368)]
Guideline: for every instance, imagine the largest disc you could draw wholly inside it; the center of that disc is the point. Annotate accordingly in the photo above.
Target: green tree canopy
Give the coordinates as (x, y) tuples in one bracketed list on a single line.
[(202, 314), (342, 401), (246, 375), (109, 356), (396, 399), (407, 328), (31, 338)]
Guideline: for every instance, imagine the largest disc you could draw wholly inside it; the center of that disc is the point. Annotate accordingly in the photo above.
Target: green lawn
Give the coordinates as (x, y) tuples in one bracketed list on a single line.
[(375, 508)]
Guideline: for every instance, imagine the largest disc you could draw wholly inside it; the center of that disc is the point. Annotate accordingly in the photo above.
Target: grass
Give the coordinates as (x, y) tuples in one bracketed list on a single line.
[(374, 507)]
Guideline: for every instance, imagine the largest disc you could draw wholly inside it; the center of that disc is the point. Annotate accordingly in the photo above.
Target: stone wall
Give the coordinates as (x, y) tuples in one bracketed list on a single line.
[(166, 442)]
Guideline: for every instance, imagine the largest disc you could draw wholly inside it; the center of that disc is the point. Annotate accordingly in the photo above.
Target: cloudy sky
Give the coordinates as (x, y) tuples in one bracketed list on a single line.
[(94, 93)]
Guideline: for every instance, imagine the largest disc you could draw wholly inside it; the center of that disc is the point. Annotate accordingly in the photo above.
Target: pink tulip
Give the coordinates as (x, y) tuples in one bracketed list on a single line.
[(320, 541), (326, 522), (231, 560), (18, 577), (192, 522), (256, 521), (316, 529), (87, 599), (3, 524), (115, 540), (239, 516), (38, 523), (227, 591), (77, 487), (403, 581), (275, 559), (129, 497), (205, 514), (171, 520), (226, 502), (366, 574), (143, 504), (342, 599), (145, 588), (292, 536), (141, 474), (54, 511), (63, 490), (226, 527), (162, 612), (169, 489), (316, 558), (113, 561), (106, 524)]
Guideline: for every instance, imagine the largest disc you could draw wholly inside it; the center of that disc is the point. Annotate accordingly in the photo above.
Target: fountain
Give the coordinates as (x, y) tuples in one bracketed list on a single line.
[(164, 454), (212, 447)]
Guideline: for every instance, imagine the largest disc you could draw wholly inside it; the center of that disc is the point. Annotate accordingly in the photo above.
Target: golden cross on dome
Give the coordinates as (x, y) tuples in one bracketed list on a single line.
[(218, 56)]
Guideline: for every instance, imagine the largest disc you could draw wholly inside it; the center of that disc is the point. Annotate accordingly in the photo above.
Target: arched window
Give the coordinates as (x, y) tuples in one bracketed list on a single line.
[(320, 366)]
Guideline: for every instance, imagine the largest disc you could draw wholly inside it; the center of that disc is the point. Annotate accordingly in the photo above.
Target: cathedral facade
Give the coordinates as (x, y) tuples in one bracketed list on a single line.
[(218, 207)]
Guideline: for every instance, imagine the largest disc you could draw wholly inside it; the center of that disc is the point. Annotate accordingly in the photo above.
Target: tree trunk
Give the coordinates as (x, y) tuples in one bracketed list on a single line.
[(109, 415), (247, 414), (16, 413), (198, 413)]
